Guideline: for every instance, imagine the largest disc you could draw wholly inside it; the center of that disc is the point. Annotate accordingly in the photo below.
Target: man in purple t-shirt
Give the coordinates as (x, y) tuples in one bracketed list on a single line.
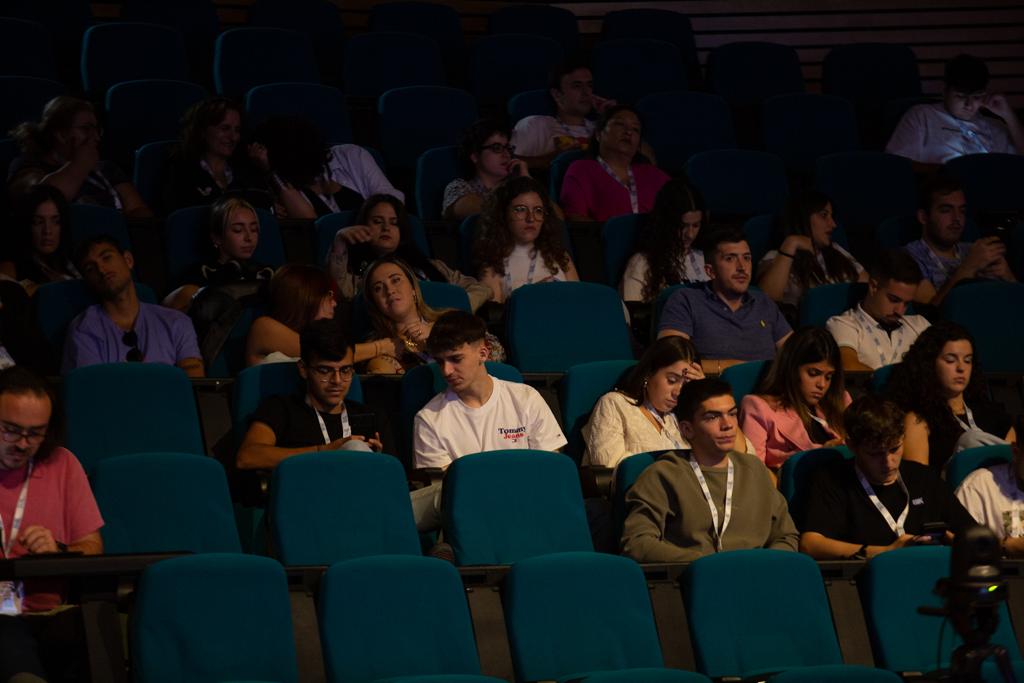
[(121, 328)]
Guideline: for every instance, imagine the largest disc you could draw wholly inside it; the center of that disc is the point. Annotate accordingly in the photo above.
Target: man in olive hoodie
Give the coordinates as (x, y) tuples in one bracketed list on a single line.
[(707, 499)]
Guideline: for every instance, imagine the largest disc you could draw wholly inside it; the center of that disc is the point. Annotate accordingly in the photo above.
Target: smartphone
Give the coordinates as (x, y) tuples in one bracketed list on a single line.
[(933, 532)]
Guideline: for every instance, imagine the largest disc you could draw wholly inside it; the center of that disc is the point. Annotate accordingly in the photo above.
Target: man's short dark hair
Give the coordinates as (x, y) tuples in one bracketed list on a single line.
[(323, 340), (695, 393), (83, 248), (873, 423), (966, 74), (717, 236), (453, 329), (938, 184), (21, 381), (563, 69), (896, 265)]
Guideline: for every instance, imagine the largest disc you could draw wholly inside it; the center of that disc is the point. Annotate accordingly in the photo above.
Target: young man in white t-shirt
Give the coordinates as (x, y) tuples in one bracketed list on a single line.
[(477, 412)]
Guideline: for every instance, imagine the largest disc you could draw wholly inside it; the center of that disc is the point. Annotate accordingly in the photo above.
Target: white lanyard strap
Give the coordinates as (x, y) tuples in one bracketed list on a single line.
[(346, 428), (971, 136), (695, 271), (634, 197), (662, 422), (944, 268), (7, 544), (726, 509), (895, 339), (970, 424), (529, 273), (897, 525)]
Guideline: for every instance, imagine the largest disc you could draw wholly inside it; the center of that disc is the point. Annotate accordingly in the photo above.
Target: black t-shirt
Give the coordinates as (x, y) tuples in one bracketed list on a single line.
[(295, 426), (213, 273), (187, 183), (838, 508), (990, 417)]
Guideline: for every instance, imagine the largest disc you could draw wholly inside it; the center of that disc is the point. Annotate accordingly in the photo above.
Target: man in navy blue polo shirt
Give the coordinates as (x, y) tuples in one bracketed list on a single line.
[(727, 323)]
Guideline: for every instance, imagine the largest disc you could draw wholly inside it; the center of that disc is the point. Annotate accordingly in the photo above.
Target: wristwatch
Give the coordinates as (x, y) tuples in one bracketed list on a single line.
[(61, 547)]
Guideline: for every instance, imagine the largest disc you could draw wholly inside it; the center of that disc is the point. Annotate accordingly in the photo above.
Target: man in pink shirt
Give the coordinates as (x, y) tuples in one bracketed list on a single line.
[(46, 506)]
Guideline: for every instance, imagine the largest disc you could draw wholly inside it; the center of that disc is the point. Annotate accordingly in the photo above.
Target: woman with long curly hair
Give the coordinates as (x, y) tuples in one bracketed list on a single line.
[(807, 257), (519, 242), (940, 385), (799, 404), (40, 238), (667, 255)]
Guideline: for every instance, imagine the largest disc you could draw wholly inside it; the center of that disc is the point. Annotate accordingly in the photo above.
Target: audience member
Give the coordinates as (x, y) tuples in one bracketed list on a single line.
[(807, 257), (62, 150), (728, 323), (936, 133), (941, 386), (878, 501), (682, 506), (120, 327), (399, 312), (477, 412), (318, 419), (309, 179), (234, 235), (667, 255), (58, 514), (799, 404), (618, 179), (381, 229), (540, 138), (21, 341), (485, 156), (518, 227), (205, 164), (994, 496), (40, 239), (942, 257), (877, 331)]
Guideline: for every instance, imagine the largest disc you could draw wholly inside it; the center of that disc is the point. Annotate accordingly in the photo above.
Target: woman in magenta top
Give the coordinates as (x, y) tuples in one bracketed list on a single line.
[(619, 180), (800, 404)]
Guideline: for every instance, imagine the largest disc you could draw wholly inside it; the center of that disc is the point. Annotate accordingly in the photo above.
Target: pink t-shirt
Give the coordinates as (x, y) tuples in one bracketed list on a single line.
[(588, 190), (59, 498)]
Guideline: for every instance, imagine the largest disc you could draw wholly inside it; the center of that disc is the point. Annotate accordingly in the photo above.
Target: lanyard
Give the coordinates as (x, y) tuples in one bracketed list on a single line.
[(662, 423), (971, 136), (970, 424), (727, 508), (634, 199), (346, 429), (896, 339), (944, 268), (895, 524), (229, 175), (695, 273), (19, 514), (529, 273), (99, 180)]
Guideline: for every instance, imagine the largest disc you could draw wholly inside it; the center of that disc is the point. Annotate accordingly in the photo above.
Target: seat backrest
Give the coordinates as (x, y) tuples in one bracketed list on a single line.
[(504, 506), (739, 181), (818, 304), (746, 73), (679, 124), (440, 22), (213, 617), (246, 57), (619, 236), (893, 586), (127, 51), (718, 587), (558, 626), (871, 72), (148, 170), (154, 406), (981, 307), (164, 502), (760, 232), (324, 105), (150, 110), (801, 127), (26, 49), (744, 377), (629, 68), (435, 168), (990, 180), (369, 605), (657, 24), (896, 231), (421, 117), (867, 187), (626, 473), (529, 103), (381, 60), (880, 378), (508, 63), (559, 167), (557, 23), (966, 461), (89, 220), (332, 506), (537, 313), (22, 99), (798, 473), (581, 387)]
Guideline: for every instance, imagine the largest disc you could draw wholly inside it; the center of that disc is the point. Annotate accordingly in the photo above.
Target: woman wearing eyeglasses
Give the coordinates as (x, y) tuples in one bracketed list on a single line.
[(519, 242), (485, 156)]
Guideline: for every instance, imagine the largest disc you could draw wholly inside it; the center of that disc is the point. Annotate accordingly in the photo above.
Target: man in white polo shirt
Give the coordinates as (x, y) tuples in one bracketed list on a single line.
[(477, 412), (876, 332)]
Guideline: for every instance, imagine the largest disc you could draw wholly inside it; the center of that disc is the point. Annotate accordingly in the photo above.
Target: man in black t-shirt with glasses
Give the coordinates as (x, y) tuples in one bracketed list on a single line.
[(859, 508)]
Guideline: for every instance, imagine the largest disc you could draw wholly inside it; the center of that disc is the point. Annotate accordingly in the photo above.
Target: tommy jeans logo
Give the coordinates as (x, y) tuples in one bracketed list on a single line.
[(512, 433)]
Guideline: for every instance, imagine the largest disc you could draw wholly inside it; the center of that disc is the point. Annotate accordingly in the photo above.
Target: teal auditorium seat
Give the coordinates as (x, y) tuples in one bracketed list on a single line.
[(880, 378), (801, 127), (893, 585), (559, 166), (627, 69), (213, 618), (744, 377), (709, 125), (88, 220), (552, 326), (981, 307), (421, 117), (581, 387), (970, 459), (22, 99), (435, 168), (620, 235), (147, 110), (26, 49), (768, 638), (244, 58), (820, 303), (164, 502), (576, 613), (797, 475), (536, 102), (749, 72), (332, 506), (500, 507), (121, 408), (118, 51), (867, 187), (760, 233), (327, 227), (148, 171), (871, 73), (739, 181), (399, 620), (991, 181), (318, 20), (657, 24), (557, 23), (505, 64), (438, 295), (626, 473), (324, 105), (381, 60)]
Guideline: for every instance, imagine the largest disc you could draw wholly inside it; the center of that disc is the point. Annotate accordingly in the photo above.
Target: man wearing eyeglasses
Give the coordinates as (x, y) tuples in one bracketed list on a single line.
[(121, 328), (318, 419), (46, 506)]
